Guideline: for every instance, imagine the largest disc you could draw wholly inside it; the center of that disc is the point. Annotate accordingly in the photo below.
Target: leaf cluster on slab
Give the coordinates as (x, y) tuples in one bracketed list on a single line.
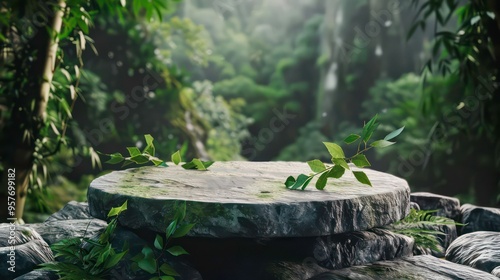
[(148, 155), (340, 161)]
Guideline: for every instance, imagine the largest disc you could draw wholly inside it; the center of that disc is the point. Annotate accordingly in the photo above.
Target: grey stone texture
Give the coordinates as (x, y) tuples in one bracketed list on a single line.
[(448, 207), (496, 271), (479, 250), (56, 230), (29, 250), (414, 205), (73, 210), (73, 220), (248, 199), (423, 267), (478, 218), (38, 275)]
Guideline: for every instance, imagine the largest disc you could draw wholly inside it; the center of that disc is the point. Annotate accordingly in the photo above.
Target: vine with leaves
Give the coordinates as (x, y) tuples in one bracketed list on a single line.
[(340, 161), (148, 155)]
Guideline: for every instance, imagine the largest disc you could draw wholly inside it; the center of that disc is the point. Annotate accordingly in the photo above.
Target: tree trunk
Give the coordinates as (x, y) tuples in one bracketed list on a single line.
[(28, 116)]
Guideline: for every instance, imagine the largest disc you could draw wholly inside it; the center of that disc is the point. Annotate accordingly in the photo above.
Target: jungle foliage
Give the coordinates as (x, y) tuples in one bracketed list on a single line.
[(231, 80)]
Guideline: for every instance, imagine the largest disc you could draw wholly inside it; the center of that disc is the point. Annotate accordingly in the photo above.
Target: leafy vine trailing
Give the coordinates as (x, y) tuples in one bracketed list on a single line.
[(148, 155), (340, 161)]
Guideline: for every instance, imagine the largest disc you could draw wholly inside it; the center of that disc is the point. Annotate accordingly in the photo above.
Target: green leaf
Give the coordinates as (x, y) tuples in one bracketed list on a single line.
[(158, 242), (321, 183), (127, 163), (104, 253), (182, 230), (369, 128), (114, 259), (150, 147), (133, 151), (336, 172), (351, 138), (197, 164), (137, 257), (148, 265), (316, 165), (149, 139), (306, 183), (302, 181), (334, 150), (150, 150), (394, 134), (189, 165), (289, 181), (115, 158), (164, 277), (177, 251), (168, 270), (176, 157), (83, 26), (341, 162), (115, 211), (180, 211), (156, 161), (362, 178), (360, 161), (171, 229), (381, 143), (207, 164), (139, 159)]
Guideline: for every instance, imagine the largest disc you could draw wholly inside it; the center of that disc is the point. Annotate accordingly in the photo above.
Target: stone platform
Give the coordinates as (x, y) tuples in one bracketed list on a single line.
[(248, 199)]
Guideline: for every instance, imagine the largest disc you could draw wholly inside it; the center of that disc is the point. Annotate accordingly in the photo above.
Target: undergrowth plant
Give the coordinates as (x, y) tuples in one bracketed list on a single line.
[(150, 259), (86, 258), (148, 155), (93, 259), (340, 161), (418, 225)]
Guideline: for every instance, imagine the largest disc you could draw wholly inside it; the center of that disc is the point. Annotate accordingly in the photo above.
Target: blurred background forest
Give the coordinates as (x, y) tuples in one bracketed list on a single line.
[(267, 80)]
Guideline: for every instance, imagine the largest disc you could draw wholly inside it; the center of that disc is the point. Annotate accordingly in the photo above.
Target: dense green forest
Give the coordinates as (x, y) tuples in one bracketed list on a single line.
[(249, 80)]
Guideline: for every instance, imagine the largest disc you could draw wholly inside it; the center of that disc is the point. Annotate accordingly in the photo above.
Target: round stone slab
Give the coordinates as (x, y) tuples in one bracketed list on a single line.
[(249, 199)]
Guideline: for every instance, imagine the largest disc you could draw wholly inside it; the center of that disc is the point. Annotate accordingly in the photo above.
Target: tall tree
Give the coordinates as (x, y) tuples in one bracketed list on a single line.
[(31, 31), (30, 94)]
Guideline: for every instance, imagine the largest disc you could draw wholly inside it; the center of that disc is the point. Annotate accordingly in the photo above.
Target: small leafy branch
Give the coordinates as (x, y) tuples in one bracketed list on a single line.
[(148, 259), (85, 258), (148, 155), (340, 161)]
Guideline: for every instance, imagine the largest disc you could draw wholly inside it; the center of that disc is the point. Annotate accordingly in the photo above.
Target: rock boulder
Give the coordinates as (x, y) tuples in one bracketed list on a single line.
[(413, 268), (249, 199), (479, 250), (446, 206), (24, 247), (478, 218)]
